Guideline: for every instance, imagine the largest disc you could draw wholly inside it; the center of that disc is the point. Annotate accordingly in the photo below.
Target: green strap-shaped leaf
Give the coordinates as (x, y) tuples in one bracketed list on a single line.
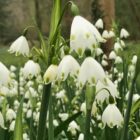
[(64, 125), (18, 131), (135, 106)]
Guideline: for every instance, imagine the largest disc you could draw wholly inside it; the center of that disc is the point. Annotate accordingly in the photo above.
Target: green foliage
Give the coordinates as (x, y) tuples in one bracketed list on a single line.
[(18, 124)]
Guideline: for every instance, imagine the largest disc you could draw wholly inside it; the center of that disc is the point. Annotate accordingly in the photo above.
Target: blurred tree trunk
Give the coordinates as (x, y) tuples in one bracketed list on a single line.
[(37, 13), (108, 8)]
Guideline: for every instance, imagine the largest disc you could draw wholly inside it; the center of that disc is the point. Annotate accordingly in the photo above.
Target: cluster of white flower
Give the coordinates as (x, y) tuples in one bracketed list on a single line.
[(69, 79)]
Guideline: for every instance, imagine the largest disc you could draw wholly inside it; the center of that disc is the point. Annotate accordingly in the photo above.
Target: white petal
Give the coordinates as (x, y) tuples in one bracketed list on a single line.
[(99, 24), (68, 65), (31, 69), (4, 75), (112, 116), (50, 74), (124, 33), (91, 71), (84, 35), (20, 46)]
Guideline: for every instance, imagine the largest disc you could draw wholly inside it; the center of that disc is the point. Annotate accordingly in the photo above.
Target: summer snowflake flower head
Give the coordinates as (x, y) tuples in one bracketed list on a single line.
[(112, 55), (81, 136), (4, 75), (50, 74), (31, 69), (118, 60), (99, 24), (103, 94), (105, 34), (84, 35), (91, 72), (73, 127), (68, 65), (124, 33), (117, 47), (112, 116), (20, 46)]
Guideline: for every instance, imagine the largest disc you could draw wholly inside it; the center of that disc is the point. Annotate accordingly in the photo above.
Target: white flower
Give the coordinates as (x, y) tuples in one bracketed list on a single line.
[(50, 74), (99, 51), (81, 136), (84, 35), (112, 116), (90, 71), (12, 126), (83, 107), (68, 65), (122, 43), (20, 46), (4, 75), (94, 109), (63, 116), (13, 68), (29, 113), (118, 60), (111, 34), (99, 24), (102, 93), (55, 123), (4, 91), (112, 55), (1, 121), (117, 47), (104, 63), (124, 33), (10, 115), (105, 34), (31, 69), (61, 95), (136, 97), (73, 127), (134, 59)]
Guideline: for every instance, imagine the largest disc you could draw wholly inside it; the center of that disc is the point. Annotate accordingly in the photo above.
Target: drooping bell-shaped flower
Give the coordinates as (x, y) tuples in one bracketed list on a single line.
[(103, 91), (112, 116), (4, 75), (73, 127), (99, 24), (84, 35), (50, 74), (31, 69), (20, 46), (117, 47), (81, 136), (105, 34), (118, 60), (124, 33), (90, 72), (112, 55), (68, 65)]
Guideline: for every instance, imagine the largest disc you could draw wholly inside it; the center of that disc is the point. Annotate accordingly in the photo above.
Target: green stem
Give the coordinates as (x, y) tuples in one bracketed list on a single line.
[(87, 125), (51, 129), (43, 112), (127, 115)]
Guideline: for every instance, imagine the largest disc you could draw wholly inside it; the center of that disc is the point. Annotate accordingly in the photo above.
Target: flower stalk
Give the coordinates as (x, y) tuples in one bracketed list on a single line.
[(90, 90), (128, 110), (43, 112)]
